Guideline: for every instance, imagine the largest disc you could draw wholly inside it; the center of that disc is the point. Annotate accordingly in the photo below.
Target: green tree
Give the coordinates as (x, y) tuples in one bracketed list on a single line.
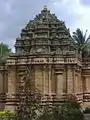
[(71, 110), (68, 110), (4, 51), (81, 41), (29, 107)]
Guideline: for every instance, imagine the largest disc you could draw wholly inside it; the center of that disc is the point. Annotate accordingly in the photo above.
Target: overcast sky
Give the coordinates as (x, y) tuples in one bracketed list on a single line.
[(14, 15)]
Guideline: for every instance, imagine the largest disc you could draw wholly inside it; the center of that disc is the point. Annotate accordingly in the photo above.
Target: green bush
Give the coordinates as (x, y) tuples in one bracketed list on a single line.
[(7, 115)]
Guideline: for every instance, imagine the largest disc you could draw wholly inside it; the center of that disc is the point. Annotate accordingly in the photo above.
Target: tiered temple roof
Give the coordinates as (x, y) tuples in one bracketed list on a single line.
[(46, 34)]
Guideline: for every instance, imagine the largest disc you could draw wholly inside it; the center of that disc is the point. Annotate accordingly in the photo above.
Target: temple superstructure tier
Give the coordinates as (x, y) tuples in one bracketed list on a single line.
[(46, 35)]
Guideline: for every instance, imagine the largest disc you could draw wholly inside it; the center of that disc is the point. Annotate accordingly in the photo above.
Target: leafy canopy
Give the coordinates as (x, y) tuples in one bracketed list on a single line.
[(81, 40), (4, 50)]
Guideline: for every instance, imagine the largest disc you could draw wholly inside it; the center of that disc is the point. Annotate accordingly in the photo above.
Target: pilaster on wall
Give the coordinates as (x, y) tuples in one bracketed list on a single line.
[(81, 83), (87, 81), (46, 79), (58, 79), (49, 78), (43, 78), (70, 81), (11, 87), (2, 88), (53, 81), (5, 82), (12, 81), (59, 83), (86, 87), (38, 77), (1, 82), (78, 82), (74, 80)]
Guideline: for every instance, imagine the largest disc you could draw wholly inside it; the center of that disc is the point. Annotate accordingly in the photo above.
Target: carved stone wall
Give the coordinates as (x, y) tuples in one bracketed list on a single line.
[(45, 76)]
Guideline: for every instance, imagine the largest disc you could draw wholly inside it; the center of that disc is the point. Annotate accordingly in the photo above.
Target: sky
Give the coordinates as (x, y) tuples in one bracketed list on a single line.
[(15, 14)]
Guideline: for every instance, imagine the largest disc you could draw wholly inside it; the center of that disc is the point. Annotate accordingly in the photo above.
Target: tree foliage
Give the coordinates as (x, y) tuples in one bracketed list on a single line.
[(29, 107), (81, 40), (71, 111), (4, 50)]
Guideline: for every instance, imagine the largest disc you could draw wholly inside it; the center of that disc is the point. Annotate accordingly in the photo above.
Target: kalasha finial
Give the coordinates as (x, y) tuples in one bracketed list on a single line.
[(45, 7)]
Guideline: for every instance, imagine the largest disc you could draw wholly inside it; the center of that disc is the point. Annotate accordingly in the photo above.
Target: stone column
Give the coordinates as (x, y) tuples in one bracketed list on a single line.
[(87, 91), (44, 87), (5, 82), (76, 83), (80, 81), (59, 83), (53, 81), (73, 76), (11, 82), (49, 79), (69, 81), (38, 78), (83, 84), (2, 89), (46, 79), (87, 79), (1, 82), (11, 88)]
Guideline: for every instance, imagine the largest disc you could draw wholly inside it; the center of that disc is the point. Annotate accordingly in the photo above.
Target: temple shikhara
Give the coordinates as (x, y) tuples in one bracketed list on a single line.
[(46, 57)]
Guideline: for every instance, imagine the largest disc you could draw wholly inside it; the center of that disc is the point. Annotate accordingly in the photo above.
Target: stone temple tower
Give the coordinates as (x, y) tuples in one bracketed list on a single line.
[(44, 43), (46, 57)]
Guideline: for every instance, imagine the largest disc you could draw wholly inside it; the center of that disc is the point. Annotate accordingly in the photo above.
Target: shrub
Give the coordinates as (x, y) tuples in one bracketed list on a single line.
[(7, 115)]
